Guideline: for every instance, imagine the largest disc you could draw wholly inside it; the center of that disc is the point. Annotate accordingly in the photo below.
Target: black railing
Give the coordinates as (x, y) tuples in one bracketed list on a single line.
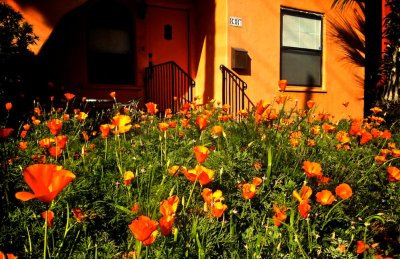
[(166, 82), (233, 91)]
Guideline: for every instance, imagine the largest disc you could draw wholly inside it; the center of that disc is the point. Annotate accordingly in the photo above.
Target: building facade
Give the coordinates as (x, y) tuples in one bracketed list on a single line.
[(92, 47)]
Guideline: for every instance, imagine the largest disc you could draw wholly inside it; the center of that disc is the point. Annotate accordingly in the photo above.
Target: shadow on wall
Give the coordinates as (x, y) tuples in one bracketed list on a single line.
[(93, 43), (349, 34), (205, 31)]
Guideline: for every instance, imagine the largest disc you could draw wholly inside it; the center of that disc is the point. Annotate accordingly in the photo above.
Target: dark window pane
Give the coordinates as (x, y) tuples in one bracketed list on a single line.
[(301, 67), (110, 68)]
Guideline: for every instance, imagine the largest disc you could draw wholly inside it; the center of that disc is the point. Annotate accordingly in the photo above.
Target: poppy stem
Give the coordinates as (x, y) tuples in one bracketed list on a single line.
[(45, 235)]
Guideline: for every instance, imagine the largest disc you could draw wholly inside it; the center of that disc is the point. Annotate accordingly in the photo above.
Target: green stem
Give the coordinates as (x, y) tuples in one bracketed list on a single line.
[(326, 216), (190, 195), (45, 236), (29, 240)]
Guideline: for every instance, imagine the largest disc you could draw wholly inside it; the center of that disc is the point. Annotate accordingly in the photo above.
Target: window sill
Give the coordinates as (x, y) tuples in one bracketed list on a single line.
[(305, 89)]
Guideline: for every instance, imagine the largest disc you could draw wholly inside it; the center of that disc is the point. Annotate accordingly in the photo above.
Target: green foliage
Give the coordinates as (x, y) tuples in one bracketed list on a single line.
[(391, 58), (16, 59), (255, 146)]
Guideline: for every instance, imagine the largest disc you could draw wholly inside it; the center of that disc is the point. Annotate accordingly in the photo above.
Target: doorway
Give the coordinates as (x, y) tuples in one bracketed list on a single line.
[(168, 35)]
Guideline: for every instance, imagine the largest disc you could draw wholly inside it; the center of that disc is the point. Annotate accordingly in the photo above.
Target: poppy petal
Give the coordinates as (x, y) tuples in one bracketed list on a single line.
[(25, 196)]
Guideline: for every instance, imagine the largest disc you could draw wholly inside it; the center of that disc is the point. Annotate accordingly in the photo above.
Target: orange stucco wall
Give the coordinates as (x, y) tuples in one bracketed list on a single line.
[(260, 36), (210, 42)]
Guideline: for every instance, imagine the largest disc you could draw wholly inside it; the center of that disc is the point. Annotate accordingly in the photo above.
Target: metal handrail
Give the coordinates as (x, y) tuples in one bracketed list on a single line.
[(168, 85), (233, 88)]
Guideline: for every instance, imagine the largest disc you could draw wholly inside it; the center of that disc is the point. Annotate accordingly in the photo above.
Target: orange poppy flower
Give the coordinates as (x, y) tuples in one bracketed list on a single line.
[(315, 130), (280, 215), (122, 123), (343, 137), (281, 98), (257, 165), (257, 181), (380, 159), (151, 239), (8, 256), (69, 96), (344, 191), (61, 141), (166, 223), (226, 107), (249, 191), (341, 248), (185, 123), (79, 215), (328, 127), (105, 130), (203, 174), (325, 197), (386, 134), (216, 131), (151, 108), (168, 113), (81, 116), (323, 180), (26, 126), (365, 137), (163, 126), (208, 113), (172, 124), (65, 116), (243, 113), (312, 169), (8, 106), (55, 126), (207, 195), (361, 247), (50, 217), (271, 114), (376, 133), (5, 133), (201, 121), (173, 170), (112, 94), (23, 133), (311, 143), (282, 85), (46, 142), (23, 145), (262, 106), (135, 208), (128, 177), (304, 209), (201, 153), (55, 151), (46, 181), (310, 104), (393, 173), (294, 142), (218, 209), (306, 192), (375, 110), (37, 111), (143, 227), (169, 206)]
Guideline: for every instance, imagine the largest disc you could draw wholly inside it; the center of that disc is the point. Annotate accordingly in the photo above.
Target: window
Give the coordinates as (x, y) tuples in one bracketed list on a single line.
[(301, 47)]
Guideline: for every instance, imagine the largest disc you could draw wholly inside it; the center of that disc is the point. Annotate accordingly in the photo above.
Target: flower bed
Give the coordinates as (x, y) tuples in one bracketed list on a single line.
[(276, 182)]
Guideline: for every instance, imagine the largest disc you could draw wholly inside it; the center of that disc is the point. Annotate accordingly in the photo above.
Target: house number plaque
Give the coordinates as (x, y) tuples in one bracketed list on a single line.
[(235, 21)]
